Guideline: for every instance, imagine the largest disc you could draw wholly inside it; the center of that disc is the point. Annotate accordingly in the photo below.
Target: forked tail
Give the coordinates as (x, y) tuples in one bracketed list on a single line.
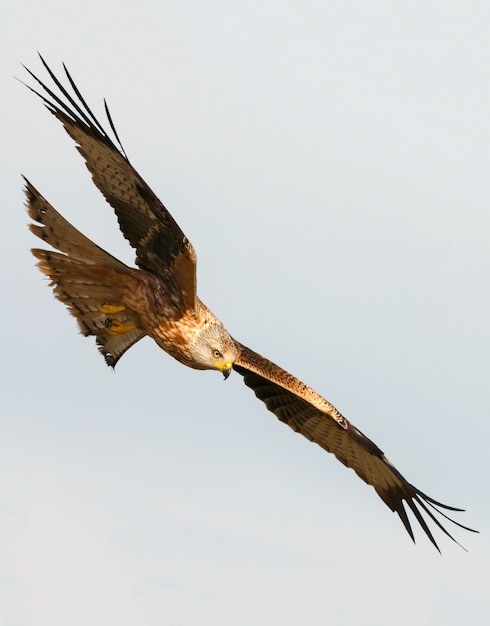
[(89, 280)]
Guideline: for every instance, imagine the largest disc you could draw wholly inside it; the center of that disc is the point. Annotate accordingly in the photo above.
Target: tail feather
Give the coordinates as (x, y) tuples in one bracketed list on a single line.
[(86, 278)]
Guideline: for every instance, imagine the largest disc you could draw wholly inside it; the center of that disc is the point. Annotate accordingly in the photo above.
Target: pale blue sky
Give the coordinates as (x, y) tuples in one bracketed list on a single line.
[(330, 163)]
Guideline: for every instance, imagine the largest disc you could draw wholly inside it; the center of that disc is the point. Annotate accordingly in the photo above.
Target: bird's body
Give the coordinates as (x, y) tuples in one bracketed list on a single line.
[(120, 305)]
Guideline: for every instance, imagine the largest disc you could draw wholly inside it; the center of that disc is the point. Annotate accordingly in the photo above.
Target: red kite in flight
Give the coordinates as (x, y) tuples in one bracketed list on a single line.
[(119, 305)]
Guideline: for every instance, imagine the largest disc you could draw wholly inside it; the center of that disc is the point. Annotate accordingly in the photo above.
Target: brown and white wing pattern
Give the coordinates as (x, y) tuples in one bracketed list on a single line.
[(307, 413), (161, 246)]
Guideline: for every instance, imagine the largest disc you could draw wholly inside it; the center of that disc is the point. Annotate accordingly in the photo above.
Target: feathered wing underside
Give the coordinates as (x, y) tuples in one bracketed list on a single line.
[(307, 413), (161, 246), (86, 278)]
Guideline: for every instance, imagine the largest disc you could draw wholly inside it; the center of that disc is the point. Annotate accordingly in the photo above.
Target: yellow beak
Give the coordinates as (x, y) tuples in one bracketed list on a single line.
[(224, 368)]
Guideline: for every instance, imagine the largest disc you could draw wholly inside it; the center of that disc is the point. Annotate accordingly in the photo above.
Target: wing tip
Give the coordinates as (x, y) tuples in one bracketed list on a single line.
[(419, 503)]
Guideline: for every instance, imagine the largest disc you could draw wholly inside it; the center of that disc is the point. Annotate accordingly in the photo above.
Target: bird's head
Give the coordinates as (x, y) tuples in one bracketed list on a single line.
[(214, 348)]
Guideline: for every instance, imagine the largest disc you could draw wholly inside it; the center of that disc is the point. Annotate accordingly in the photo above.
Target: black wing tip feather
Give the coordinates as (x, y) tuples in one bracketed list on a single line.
[(111, 123), (76, 108), (414, 498), (419, 499)]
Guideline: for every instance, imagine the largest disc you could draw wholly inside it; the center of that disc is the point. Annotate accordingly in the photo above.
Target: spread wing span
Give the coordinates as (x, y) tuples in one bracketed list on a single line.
[(119, 305), (307, 413)]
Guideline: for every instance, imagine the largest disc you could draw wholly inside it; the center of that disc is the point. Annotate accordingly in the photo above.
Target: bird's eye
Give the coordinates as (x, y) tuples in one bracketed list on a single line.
[(216, 354)]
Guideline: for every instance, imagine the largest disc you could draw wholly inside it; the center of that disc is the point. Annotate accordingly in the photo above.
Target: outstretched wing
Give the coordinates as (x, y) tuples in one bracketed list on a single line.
[(307, 413), (161, 246)]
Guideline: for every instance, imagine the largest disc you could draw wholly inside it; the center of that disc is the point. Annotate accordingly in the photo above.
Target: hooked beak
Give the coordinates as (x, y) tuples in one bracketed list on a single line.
[(224, 368)]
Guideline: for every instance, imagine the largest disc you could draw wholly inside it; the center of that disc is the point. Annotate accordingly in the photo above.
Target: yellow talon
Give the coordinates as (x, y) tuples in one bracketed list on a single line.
[(111, 309), (115, 327)]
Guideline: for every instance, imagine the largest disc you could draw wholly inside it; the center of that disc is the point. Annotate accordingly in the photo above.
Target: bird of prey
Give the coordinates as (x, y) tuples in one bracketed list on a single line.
[(119, 305)]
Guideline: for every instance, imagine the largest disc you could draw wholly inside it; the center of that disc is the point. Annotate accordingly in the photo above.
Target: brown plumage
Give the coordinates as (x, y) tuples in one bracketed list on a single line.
[(119, 304)]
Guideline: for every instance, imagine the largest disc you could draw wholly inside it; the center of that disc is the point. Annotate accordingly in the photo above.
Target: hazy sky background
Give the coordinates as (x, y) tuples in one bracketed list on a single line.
[(330, 163)]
